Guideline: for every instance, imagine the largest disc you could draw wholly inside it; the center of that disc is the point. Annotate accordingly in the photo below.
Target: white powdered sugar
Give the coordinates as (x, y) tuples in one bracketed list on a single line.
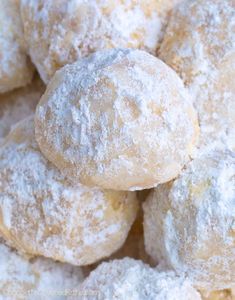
[(39, 278), (216, 107), (132, 279), (189, 223), (19, 104), (199, 35), (200, 45), (60, 32), (118, 119), (15, 68), (43, 214)]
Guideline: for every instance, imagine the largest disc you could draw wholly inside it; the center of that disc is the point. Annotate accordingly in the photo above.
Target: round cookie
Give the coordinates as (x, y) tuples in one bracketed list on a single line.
[(39, 278), (118, 119), (16, 69), (132, 279), (199, 44), (19, 104), (41, 213), (60, 32), (189, 222)]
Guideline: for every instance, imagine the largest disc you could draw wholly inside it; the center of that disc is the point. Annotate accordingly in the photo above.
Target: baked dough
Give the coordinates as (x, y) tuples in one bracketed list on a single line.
[(189, 222), (19, 104), (41, 213), (39, 278), (133, 246), (199, 45), (119, 119), (218, 295), (16, 69), (60, 32), (132, 279)]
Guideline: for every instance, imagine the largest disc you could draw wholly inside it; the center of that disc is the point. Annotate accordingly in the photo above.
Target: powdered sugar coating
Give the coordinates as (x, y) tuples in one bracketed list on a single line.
[(216, 107), (15, 68), (41, 213), (19, 104), (199, 45), (23, 279), (118, 119), (132, 279), (60, 32), (189, 223), (133, 246)]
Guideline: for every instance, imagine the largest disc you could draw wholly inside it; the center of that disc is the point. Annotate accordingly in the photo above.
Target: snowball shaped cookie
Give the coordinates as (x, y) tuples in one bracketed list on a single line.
[(23, 279), (199, 35), (132, 279), (19, 104), (60, 32), (15, 67), (199, 45), (41, 213), (189, 223), (118, 119)]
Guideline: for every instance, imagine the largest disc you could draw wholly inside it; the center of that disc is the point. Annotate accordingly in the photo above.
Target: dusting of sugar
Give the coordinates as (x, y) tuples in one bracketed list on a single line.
[(200, 45), (44, 214), (18, 104), (35, 279), (15, 68), (60, 32), (119, 119), (189, 223), (132, 279)]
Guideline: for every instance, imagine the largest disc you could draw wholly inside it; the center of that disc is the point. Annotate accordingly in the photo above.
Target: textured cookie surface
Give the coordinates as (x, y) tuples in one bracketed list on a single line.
[(19, 104), (119, 119), (132, 279), (41, 213), (199, 45), (189, 222), (60, 32), (15, 67), (23, 279)]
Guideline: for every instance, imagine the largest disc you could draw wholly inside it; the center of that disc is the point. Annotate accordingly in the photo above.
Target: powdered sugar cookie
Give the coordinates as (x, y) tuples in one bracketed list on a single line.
[(19, 104), (119, 119), (15, 67), (200, 45), (132, 279), (40, 278), (189, 223), (41, 213), (60, 32)]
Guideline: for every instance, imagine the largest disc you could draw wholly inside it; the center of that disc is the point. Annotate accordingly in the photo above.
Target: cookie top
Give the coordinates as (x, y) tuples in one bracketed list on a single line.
[(60, 32), (42, 213), (118, 119), (132, 279), (189, 222), (21, 278), (16, 69)]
